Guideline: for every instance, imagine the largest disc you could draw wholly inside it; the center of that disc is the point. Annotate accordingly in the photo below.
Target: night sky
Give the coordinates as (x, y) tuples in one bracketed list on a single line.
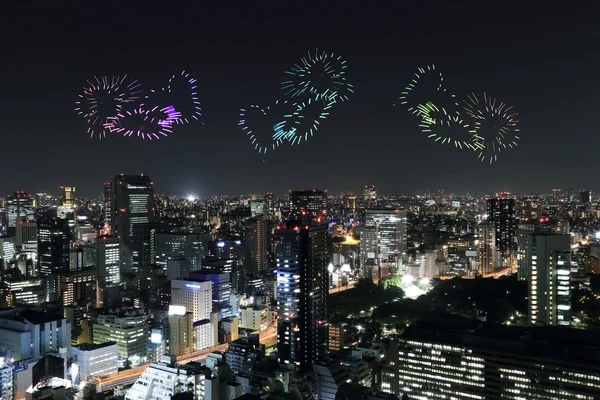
[(543, 61)]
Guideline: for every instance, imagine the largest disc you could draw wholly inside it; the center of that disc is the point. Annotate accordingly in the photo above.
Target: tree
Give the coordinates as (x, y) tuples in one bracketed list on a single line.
[(364, 285), (127, 364), (390, 281)]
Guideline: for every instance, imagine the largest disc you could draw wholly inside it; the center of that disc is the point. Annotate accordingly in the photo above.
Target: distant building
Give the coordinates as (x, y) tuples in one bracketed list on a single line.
[(308, 202)]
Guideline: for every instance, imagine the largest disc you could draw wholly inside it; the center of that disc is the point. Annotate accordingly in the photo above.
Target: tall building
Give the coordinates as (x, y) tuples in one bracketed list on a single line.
[(221, 290), (502, 212), (383, 239), (585, 196), (255, 245), (529, 227), (181, 331), (128, 328), (107, 260), (302, 289), (132, 207), (54, 245), (68, 196), (369, 193), (195, 296), (308, 202), (108, 212), (487, 253), (26, 235), (557, 194), (549, 296), (20, 206), (269, 204), (171, 246)]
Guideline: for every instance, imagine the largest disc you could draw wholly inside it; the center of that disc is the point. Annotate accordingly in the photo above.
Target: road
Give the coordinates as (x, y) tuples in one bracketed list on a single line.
[(349, 286), (128, 377)]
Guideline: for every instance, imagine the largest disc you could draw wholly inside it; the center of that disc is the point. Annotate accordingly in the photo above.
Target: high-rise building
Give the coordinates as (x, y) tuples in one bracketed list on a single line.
[(269, 204), (255, 245), (221, 290), (308, 202), (549, 297), (487, 253), (54, 245), (369, 193), (502, 213), (132, 207), (108, 212), (26, 235), (128, 328), (531, 226), (557, 194), (585, 196), (190, 246), (20, 206), (383, 238), (108, 260), (68, 196), (302, 289), (195, 296), (181, 331)]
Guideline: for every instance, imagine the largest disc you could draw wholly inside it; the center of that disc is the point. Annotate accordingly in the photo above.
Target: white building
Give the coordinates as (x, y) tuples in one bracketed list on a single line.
[(96, 360), (108, 250), (163, 380), (195, 296), (255, 318), (128, 328)]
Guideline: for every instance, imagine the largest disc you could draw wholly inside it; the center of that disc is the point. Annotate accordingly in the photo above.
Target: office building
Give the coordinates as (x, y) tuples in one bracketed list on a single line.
[(221, 290), (26, 234), (107, 210), (6, 381), (369, 193), (308, 203), (181, 331), (585, 196), (549, 295), (129, 328), (54, 245), (20, 206), (96, 360), (302, 289), (383, 239), (240, 351), (68, 196), (502, 213), (256, 318), (529, 227), (190, 246), (443, 358), (269, 204), (195, 296), (255, 244), (108, 260)]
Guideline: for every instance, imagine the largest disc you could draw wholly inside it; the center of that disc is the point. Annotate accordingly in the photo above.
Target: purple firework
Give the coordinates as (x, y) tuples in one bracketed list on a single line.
[(182, 91), (103, 99), (147, 124)]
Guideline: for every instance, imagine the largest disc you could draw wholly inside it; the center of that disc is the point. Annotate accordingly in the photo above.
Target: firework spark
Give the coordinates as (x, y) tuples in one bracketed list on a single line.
[(319, 74), (147, 124), (182, 92), (102, 101), (446, 127), (267, 127), (433, 76), (494, 125), (310, 115)]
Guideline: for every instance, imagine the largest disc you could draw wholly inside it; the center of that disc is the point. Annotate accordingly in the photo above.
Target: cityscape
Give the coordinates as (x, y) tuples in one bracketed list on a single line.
[(136, 294), (299, 201)]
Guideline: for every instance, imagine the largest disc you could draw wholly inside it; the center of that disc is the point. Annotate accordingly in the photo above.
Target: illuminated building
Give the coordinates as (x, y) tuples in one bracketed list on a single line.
[(452, 358), (6, 381), (336, 337), (54, 245), (383, 239), (170, 246), (128, 328), (108, 260), (181, 331), (302, 289), (20, 206), (72, 286), (26, 237), (255, 245), (257, 208), (487, 254), (269, 204), (96, 360), (549, 296), (132, 206), (255, 318), (369, 193), (221, 290), (108, 212), (196, 297), (68, 196), (557, 194), (528, 227), (240, 351), (502, 213), (308, 202)]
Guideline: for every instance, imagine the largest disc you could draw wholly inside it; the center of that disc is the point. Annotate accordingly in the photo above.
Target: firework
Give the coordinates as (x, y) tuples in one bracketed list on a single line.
[(431, 82), (267, 127), (318, 74), (182, 92), (310, 115), (103, 99), (446, 127), (147, 124), (494, 125)]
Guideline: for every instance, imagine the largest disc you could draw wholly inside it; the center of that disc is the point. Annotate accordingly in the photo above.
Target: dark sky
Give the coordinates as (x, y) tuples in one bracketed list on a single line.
[(543, 61)]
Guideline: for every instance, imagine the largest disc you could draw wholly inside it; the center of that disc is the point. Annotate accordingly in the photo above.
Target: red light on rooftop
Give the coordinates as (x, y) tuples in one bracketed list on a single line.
[(123, 209)]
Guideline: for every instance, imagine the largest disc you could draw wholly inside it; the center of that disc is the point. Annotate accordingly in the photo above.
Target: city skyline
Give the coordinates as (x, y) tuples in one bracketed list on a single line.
[(238, 56)]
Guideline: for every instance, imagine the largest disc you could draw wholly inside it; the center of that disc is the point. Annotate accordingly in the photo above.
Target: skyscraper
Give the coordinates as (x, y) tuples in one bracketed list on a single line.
[(549, 297), (502, 213), (68, 196), (302, 289), (108, 261), (269, 204), (54, 245), (108, 213), (132, 206), (585, 196), (308, 202), (383, 238), (20, 206), (255, 245), (487, 253)]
